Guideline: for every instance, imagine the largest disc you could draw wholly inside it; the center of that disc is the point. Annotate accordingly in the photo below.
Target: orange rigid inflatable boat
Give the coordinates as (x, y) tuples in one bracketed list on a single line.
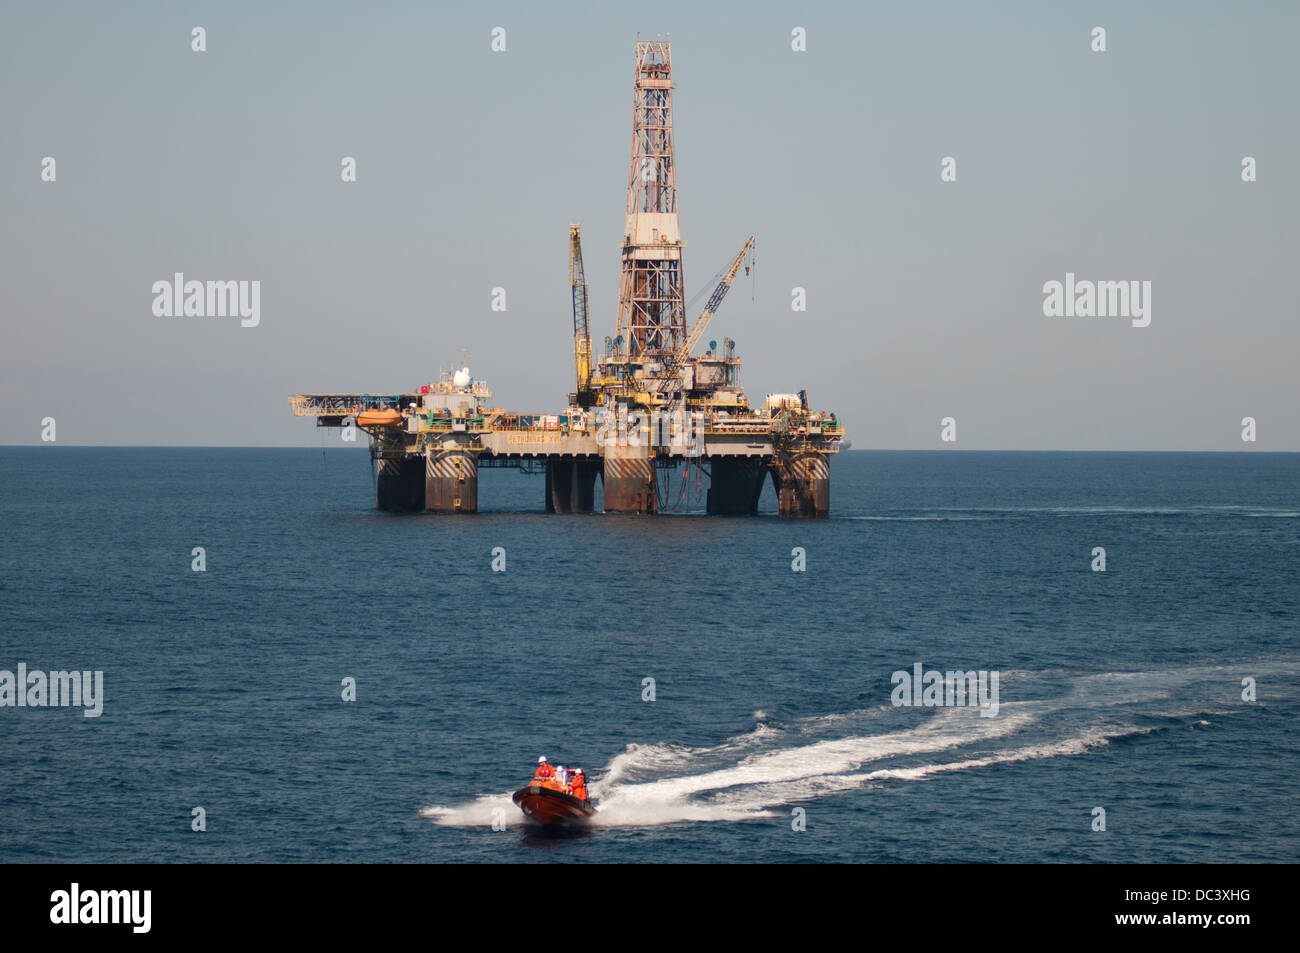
[(544, 800)]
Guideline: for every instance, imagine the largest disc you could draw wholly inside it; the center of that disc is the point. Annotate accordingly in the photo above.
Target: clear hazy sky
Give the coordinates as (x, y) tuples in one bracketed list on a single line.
[(924, 298)]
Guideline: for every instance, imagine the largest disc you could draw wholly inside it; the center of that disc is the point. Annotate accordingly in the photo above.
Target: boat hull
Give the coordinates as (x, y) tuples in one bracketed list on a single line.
[(550, 807), (379, 418)]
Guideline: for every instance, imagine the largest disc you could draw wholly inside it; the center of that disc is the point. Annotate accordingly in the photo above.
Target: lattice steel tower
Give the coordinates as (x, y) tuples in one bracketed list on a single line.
[(651, 305)]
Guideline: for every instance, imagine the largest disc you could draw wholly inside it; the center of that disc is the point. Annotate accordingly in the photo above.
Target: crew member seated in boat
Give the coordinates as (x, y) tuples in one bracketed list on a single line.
[(544, 770), (579, 785), (562, 775)]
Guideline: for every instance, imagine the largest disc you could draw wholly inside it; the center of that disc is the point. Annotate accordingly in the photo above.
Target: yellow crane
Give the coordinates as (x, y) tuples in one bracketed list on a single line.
[(584, 396)]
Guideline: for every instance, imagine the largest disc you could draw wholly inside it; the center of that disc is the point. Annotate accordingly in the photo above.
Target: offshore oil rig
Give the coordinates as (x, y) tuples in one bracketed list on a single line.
[(643, 407)]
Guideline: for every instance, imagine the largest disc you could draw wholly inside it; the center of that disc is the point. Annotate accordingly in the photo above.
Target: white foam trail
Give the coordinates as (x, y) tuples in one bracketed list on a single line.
[(948, 728), (1106, 509), (923, 519), (661, 758), (749, 775), (669, 799), (475, 813), (823, 786)]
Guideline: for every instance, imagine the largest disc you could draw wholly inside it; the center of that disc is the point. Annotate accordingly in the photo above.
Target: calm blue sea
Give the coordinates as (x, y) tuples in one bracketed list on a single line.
[(1119, 690)]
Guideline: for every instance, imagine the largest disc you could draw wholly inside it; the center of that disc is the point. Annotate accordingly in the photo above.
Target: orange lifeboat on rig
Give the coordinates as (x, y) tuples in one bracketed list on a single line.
[(552, 802), (379, 418)]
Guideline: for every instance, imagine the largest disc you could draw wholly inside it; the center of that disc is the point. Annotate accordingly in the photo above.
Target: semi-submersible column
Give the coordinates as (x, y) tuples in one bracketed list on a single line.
[(399, 477), (629, 478), (450, 479), (735, 485), (571, 485), (803, 484)]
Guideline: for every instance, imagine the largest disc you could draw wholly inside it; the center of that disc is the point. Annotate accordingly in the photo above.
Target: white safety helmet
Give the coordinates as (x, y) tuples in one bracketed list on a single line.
[(542, 759), (577, 770)]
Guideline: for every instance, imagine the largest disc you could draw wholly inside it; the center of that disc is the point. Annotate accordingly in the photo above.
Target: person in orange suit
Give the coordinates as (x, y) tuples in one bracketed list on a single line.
[(544, 770), (579, 785)]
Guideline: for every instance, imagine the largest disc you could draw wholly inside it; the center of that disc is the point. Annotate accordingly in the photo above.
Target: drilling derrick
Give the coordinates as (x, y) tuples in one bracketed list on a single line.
[(651, 306)]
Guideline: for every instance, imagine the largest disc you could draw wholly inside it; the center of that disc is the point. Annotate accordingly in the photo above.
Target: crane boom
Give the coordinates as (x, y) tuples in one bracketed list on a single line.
[(715, 301), (581, 326), (683, 354)]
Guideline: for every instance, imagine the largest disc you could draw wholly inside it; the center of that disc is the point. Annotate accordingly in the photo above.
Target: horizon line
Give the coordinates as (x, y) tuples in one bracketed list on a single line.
[(222, 446)]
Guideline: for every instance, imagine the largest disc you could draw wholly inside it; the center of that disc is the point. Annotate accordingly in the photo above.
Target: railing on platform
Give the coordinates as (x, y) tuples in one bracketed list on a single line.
[(343, 405)]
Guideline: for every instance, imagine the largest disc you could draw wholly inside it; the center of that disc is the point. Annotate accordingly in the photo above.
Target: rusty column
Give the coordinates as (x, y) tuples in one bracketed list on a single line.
[(629, 477), (803, 484)]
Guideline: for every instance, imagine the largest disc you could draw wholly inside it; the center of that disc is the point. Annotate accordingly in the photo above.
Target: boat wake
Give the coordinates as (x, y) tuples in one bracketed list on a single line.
[(773, 766), (985, 513)]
